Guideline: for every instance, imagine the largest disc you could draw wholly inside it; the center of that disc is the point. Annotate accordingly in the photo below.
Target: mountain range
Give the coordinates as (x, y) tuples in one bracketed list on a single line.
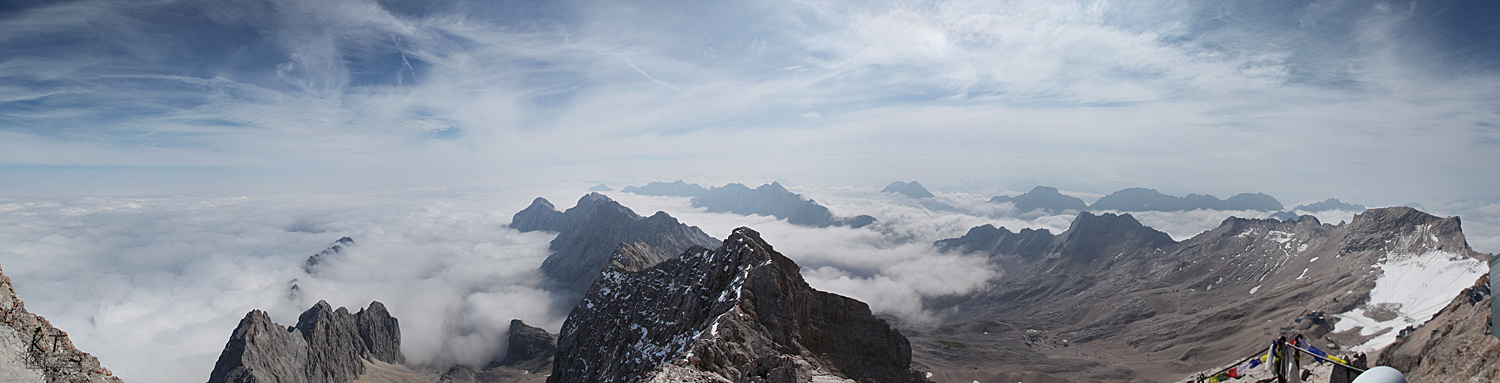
[(1112, 300), (770, 199)]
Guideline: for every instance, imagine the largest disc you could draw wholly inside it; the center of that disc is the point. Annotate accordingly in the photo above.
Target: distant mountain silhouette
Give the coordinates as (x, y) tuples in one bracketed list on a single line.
[(1043, 197), (1142, 199), (909, 189), (1330, 204), (770, 199)]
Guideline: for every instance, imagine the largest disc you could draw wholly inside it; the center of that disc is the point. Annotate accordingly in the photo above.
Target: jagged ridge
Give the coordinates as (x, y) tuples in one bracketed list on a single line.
[(326, 346)]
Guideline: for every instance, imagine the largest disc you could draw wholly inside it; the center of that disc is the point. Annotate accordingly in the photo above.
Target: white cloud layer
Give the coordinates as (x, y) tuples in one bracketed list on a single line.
[(154, 286)]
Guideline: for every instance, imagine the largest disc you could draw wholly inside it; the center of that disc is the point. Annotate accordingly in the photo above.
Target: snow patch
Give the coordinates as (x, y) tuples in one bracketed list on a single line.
[(1420, 284), (1279, 236)]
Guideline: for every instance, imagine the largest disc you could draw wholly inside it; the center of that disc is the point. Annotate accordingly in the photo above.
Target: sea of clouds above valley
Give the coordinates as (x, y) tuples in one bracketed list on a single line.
[(153, 286)]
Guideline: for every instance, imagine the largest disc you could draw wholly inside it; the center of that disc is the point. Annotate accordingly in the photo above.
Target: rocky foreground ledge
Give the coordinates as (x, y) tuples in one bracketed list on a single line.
[(31, 350)]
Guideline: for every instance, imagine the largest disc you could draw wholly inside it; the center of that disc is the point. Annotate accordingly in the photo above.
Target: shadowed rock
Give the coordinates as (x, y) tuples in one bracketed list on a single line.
[(528, 348), (326, 346)]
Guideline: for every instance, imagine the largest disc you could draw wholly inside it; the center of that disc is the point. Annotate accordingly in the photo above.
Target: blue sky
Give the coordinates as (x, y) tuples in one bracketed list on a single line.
[(1374, 101)]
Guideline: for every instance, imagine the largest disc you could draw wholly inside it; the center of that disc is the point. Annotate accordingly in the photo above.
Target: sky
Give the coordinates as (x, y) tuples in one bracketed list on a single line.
[(166, 166), (1378, 102)]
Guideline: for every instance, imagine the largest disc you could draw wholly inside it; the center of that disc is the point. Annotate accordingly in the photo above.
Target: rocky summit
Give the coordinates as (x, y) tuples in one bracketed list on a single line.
[(589, 232), (32, 351), (326, 346), (738, 313)]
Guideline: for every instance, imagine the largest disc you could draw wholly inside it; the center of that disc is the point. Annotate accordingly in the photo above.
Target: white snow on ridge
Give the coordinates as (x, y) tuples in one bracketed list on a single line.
[(1420, 284)]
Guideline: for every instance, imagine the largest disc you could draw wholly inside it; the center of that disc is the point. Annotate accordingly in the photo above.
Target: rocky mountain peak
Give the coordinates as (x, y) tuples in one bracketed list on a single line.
[(589, 233), (326, 346), (1092, 236), (539, 216), (1411, 230), (741, 312)]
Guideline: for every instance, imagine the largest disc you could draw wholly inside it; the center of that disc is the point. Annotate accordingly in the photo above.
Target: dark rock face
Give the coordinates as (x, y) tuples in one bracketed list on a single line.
[(529, 348), (1330, 204), (909, 189), (1142, 199), (338, 247), (670, 189), (741, 312), (326, 346), (37, 352), (590, 232), (1043, 197)]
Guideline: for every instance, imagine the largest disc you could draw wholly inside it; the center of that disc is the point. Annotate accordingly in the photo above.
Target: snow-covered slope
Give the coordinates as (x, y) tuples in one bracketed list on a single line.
[(1410, 289)]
